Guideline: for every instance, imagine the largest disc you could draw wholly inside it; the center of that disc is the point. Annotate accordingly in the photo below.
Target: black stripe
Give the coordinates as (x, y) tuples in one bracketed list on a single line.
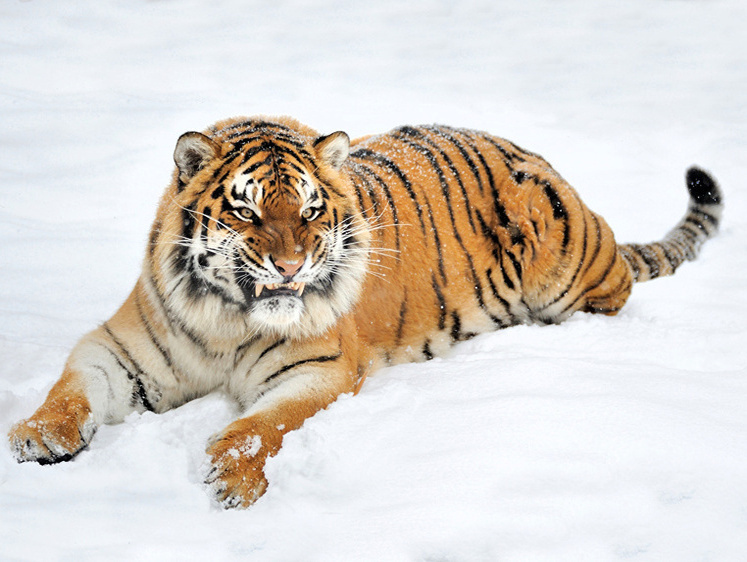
[(427, 351), (139, 390), (498, 207), (384, 162), (298, 168), (176, 323), (245, 156), (508, 157), (436, 241), (651, 260), (225, 166), (496, 293), (401, 322), (487, 232), (598, 246), (559, 212), (674, 262), (454, 170), (694, 221), (524, 152), (691, 235), (254, 167), (241, 350), (515, 263), (519, 176), (204, 228), (390, 200), (406, 135), (570, 284), (465, 154), (440, 301), (276, 158), (632, 262), (151, 332), (558, 209), (623, 286), (493, 237), (134, 396), (359, 188), (506, 279), (325, 185), (456, 326), (181, 263), (251, 127), (322, 359), (445, 192), (596, 284), (160, 301), (188, 221), (221, 179), (275, 345), (707, 217)]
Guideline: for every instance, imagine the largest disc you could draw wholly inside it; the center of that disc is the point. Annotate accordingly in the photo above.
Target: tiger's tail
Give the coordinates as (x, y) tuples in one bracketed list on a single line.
[(683, 242)]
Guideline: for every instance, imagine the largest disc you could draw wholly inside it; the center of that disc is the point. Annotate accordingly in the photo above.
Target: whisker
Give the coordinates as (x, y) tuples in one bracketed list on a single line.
[(198, 213)]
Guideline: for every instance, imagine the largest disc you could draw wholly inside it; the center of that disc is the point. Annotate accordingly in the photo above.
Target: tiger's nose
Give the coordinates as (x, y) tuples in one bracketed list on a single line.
[(288, 268)]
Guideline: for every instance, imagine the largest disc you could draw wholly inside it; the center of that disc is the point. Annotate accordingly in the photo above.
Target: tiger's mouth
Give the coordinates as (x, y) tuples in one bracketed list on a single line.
[(262, 291), (254, 291)]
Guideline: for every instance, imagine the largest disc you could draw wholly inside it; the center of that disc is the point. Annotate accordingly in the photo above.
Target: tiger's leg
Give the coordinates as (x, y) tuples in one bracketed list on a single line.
[(606, 283), (113, 371), (569, 257), (98, 385), (612, 292), (237, 454), (61, 427)]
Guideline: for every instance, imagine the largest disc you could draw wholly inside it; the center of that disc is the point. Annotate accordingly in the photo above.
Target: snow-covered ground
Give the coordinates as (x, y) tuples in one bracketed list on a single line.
[(599, 439)]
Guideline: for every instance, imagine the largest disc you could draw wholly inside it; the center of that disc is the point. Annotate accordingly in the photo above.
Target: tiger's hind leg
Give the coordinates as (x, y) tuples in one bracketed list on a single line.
[(609, 293)]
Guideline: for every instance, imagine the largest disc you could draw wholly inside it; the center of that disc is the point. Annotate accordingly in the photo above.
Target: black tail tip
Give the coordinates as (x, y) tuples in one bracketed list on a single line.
[(702, 187)]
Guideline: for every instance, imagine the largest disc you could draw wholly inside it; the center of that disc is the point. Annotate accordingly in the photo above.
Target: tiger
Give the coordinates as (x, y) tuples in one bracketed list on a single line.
[(284, 266)]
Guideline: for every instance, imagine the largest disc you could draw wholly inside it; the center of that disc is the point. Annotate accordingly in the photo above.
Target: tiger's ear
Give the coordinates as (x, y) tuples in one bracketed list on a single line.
[(192, 152), (333, 149)]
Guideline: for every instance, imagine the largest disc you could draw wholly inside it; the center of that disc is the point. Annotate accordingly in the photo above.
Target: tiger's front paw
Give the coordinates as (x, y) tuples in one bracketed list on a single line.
[(237, 457), (53, 434)]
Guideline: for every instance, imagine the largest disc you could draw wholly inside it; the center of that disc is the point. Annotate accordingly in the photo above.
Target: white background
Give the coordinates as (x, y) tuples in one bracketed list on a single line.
[(599, 439)]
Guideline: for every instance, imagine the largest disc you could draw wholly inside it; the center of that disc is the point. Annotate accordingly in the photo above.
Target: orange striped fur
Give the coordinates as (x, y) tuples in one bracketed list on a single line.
[(284, 266)]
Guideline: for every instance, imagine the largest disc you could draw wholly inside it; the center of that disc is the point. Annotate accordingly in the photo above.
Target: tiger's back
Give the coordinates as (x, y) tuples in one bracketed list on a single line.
[(473, 234)]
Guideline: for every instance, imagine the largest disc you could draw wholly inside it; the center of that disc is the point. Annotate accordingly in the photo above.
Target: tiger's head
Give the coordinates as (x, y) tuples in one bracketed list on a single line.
[(263, 227)]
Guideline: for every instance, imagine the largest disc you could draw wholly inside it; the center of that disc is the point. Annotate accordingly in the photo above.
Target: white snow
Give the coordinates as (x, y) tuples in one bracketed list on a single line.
[(599, 439)]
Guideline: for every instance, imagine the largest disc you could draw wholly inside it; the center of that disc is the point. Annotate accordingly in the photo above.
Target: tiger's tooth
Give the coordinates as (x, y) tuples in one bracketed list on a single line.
[(258, 289), (301, 287)]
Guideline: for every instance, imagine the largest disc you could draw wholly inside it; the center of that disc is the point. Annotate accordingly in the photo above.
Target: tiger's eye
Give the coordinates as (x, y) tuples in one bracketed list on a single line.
[(310, 213), (245, 214)]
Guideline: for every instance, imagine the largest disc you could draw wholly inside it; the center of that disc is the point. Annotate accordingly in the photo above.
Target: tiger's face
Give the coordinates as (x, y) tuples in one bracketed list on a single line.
[(268, 226)]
